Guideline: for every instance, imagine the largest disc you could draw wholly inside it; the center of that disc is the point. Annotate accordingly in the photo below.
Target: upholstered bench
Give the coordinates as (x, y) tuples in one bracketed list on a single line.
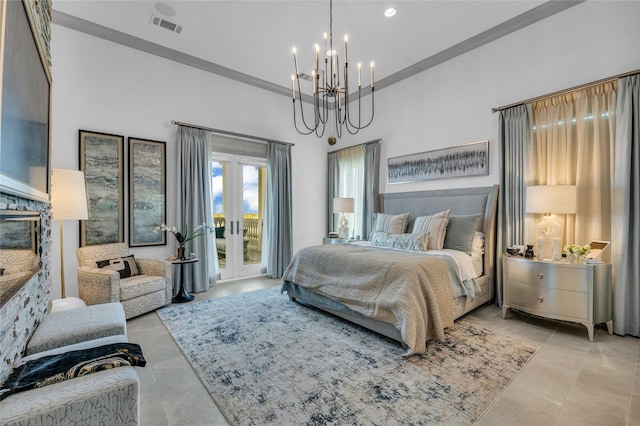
[(64, 328)]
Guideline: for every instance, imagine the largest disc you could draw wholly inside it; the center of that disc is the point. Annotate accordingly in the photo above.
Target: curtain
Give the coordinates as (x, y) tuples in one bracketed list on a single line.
[(351, 184), (626, 209), (333, 179), (194, 206), (515, 142), (277, 246), (572, 145), (371, 187)]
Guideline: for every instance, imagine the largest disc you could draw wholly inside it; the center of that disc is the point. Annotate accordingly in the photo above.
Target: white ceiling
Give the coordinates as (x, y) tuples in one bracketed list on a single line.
[(252, 40)]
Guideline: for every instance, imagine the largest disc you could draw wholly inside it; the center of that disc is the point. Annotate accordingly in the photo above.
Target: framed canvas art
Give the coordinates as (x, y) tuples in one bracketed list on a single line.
[(465, 160), (147, 192), (101, 160)]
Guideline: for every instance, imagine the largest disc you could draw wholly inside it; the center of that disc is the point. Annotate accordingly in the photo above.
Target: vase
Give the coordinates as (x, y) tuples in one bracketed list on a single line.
[(181, 252)]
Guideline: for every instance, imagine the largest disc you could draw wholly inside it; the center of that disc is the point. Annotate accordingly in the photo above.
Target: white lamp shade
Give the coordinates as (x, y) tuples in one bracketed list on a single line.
[(68, 195), (343, 205), (560, 199)]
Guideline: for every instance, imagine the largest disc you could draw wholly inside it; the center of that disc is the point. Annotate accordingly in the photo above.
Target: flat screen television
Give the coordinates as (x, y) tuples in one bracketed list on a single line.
[(24, 106)]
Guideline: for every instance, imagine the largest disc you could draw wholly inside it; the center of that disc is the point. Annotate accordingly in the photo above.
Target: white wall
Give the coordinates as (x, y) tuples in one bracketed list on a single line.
[(105, 87), (450, 104)]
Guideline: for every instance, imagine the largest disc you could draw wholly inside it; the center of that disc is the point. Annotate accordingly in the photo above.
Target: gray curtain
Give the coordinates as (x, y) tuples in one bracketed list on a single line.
[(278, 243), (626, 209), (515, 139), (194, 206), (371, 187), (333, 191)]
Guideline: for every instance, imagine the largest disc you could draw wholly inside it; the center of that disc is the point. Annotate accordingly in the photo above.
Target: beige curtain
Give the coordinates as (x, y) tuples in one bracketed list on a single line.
[(572, 145)]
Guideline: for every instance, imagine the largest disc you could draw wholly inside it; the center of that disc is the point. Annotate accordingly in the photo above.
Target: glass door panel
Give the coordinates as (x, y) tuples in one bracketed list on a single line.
[(238, 203)]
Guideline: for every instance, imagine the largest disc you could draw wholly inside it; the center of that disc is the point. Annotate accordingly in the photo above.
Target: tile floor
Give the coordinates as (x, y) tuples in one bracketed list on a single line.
[(569, 381)]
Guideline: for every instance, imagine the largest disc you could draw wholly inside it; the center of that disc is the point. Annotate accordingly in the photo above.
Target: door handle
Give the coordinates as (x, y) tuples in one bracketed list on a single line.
[(238, 226), (231, 222)]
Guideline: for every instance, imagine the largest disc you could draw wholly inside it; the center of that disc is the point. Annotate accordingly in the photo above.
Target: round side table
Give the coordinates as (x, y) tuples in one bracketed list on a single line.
[(183, 296)]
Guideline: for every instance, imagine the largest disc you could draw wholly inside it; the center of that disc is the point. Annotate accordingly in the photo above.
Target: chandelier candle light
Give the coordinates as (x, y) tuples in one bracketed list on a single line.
[(330, 94)]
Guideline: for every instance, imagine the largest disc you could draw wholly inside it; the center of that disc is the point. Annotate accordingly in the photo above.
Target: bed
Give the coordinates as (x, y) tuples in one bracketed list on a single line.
[(409, 296)]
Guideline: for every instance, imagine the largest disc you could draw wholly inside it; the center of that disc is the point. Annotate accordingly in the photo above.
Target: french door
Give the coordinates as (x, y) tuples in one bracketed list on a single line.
[(238, 185)]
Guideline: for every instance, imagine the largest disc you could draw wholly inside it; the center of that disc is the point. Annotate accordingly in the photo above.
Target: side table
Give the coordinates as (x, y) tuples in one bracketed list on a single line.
[(569, 292), (183, 296)]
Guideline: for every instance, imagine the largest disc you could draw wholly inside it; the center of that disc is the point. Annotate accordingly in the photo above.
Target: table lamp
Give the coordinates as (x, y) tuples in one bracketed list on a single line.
[(68, 202), (548, 200), (344, 206)]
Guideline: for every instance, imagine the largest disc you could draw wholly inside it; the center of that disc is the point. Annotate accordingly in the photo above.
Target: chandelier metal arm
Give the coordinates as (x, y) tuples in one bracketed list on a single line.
[(328, 92)]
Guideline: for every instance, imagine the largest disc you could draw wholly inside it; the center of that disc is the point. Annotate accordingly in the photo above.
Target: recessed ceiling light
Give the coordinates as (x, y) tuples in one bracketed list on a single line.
[(165, 9), (390, 12)]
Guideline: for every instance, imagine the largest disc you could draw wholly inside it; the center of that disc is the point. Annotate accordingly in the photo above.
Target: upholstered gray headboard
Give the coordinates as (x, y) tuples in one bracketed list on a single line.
[(461, 201)]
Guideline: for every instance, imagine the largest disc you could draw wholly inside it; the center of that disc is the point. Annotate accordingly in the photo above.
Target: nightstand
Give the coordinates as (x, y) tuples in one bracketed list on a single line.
[(570, 292), (331, 240)]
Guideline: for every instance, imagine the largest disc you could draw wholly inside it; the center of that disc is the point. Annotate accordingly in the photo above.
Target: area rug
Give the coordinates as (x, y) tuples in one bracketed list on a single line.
[(268, 361)]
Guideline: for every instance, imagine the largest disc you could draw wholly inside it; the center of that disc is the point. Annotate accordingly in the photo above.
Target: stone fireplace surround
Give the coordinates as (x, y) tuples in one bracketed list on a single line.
[(20, 314)]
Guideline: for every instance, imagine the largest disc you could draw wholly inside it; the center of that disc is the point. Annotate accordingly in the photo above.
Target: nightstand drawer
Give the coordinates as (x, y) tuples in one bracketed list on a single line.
[(550, 302), (553, 276)]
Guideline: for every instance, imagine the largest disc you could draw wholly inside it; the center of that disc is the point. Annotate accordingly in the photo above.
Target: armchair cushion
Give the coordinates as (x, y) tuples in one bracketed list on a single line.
[(125, 266), (139, 286)]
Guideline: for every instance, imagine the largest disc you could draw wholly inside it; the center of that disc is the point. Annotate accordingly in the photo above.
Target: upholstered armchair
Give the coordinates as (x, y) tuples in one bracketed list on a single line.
[(109, 273)]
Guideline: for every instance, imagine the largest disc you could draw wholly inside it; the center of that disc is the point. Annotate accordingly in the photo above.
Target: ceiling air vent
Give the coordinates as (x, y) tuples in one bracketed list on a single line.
[(156, 20), (305, 76)]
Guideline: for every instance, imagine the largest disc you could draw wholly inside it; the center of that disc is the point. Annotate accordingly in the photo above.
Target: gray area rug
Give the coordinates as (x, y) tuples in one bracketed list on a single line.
[(267, 360)]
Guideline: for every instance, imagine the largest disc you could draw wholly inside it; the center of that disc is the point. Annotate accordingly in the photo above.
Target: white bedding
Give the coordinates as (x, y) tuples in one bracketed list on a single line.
[(467, 265)]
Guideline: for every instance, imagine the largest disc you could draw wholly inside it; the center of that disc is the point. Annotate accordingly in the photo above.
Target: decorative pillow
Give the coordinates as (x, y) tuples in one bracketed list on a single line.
[(219, 231), (57, 368), (392, 224), (460, 232), (125, 266), (414, 242), (435, 225), (478, 243)]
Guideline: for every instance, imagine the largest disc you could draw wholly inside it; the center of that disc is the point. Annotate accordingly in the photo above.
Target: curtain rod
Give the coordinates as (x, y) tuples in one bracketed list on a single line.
[(562, 92), (232, 134), (360, 144)]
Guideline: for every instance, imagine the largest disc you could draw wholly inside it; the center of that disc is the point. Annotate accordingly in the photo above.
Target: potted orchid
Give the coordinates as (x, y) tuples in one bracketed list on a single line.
[(578, 252), (184, 236)]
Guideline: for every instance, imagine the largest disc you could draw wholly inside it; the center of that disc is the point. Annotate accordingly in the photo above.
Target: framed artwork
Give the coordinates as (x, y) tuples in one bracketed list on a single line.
[(101, 160), (465, 160), (147, 192)]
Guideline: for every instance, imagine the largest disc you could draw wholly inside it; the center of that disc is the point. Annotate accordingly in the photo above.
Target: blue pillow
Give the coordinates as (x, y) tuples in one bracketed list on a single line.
[(460, 232)]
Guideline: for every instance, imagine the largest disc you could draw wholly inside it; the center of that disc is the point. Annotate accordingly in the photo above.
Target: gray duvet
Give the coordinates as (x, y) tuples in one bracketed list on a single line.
[(410, 290)]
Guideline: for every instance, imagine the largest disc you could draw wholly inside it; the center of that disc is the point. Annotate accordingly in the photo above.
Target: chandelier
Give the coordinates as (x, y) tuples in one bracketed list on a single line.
[(330, 91)]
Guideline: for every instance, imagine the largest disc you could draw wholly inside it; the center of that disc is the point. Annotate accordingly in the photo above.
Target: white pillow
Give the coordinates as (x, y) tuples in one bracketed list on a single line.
[(477, 252), (413, 242), (392, 224), (435, 225)]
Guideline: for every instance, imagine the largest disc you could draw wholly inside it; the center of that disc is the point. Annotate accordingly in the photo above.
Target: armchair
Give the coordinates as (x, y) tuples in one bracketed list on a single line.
[(150, 289)]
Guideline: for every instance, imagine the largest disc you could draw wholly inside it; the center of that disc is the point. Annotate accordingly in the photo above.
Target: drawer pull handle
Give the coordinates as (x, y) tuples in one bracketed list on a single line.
[(540, 299), (540, 276)]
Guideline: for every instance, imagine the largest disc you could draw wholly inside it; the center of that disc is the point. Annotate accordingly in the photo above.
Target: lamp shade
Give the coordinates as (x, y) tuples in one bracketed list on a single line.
[(343, 205), (560, 199), (68, 195)]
